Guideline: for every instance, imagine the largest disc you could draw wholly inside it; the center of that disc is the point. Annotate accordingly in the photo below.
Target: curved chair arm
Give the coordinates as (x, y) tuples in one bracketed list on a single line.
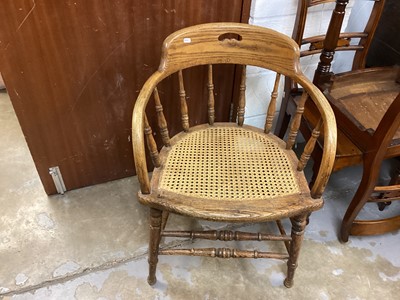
[(330, 136), (139, 152)]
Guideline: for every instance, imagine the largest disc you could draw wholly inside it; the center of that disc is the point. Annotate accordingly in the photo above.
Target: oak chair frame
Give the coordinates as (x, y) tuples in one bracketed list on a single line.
[(336, 41), (205, 45), (355, 142)]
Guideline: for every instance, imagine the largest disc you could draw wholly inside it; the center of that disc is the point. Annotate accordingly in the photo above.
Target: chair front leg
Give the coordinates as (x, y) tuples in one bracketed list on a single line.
[(366, 187), (298, 227), (154, 243)]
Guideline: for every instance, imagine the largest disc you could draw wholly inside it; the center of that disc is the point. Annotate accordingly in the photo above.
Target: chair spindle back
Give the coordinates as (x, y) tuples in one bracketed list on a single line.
[(205, 45)]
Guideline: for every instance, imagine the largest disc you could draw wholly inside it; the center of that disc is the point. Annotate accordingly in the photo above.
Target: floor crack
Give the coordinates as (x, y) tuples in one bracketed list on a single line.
[(106, 266), (85, 271)]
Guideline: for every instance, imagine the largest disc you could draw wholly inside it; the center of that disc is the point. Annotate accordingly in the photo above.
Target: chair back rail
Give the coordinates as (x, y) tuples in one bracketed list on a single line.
[(211, 45)]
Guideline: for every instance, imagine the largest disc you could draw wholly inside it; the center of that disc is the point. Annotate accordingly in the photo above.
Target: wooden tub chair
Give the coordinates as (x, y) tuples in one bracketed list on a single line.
[(228, 172)]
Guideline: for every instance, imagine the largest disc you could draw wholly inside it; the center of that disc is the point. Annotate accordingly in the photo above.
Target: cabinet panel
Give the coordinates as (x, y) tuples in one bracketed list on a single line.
[(74, 68)]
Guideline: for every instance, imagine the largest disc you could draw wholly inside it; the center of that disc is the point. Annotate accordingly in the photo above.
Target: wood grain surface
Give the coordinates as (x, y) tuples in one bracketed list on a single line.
[(73, 70)]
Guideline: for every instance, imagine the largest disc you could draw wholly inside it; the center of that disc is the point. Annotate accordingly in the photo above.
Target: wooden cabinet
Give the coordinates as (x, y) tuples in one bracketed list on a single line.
[(73, 70)]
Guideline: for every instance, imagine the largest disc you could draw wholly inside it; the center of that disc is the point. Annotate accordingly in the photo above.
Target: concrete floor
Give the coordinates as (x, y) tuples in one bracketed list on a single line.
[(91, 244)]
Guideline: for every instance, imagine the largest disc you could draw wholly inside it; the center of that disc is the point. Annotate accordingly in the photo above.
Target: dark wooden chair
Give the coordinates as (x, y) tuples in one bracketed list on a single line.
[(228, 172), (360, 99)]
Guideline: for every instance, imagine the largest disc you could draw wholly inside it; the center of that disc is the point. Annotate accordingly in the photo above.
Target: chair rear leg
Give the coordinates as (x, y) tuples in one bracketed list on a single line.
[(154, 243), (298, 227)]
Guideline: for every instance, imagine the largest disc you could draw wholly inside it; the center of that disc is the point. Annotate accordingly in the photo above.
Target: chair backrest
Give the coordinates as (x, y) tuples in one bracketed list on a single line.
[(239, 44), (335, 40)]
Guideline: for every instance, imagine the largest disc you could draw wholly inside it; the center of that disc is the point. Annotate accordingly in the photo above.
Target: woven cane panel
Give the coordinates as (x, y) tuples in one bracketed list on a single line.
[(228, 163)]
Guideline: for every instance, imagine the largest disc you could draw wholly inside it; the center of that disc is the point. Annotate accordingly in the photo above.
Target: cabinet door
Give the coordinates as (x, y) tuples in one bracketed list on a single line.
[(73, 70)]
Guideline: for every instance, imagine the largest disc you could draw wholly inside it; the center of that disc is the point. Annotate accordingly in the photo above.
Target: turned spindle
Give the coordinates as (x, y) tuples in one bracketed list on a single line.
[(151, 144), (162, 123), (223, 253), (309, 148), (272, 105), (184, 108), (295, 124), (330, 44), (210, 86), (226, 235), (242, 97)]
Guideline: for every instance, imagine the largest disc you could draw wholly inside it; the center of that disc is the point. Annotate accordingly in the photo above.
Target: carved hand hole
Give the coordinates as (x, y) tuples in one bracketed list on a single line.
[(230, 36)]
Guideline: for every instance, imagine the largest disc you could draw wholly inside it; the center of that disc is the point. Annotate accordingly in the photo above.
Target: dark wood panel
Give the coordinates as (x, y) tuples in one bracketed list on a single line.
[(74, 68)]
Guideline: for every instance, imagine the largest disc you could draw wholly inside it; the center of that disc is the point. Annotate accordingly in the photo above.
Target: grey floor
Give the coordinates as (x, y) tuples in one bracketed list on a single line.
[(91, 244)]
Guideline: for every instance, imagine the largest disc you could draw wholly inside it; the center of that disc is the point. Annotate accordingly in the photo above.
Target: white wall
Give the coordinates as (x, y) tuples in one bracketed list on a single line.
[(280, 15)]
